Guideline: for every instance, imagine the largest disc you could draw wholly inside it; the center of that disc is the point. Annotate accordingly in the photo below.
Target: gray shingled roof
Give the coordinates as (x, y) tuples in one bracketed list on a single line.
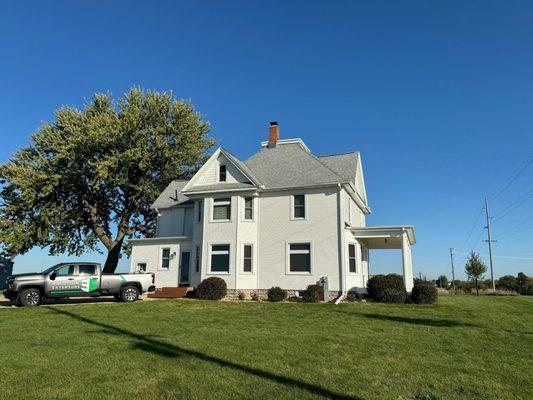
[(221, 186), (168, 197), (290, 165), (344, 165)]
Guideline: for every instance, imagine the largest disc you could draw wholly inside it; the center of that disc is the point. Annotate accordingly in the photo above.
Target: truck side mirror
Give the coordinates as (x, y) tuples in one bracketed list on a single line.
[(53, 276)]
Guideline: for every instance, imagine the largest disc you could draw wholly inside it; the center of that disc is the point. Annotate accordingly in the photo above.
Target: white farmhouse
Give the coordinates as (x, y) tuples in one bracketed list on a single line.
[(284, 217)]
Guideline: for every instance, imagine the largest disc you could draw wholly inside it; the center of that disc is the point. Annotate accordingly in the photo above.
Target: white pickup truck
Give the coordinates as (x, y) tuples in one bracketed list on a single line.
[(78, 279)]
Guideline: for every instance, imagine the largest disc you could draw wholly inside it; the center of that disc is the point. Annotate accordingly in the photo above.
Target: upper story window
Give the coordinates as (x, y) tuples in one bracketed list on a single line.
[(300, 257), (222, 173), (199, 211), (222, 209), (351, 258), (165, 258), (248, 208), (299, 206)]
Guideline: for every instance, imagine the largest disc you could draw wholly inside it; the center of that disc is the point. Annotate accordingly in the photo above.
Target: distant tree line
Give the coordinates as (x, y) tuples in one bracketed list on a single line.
[(475, 270)]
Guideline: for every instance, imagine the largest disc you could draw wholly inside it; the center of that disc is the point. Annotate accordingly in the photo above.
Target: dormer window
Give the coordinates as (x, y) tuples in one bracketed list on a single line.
[(222, 173)]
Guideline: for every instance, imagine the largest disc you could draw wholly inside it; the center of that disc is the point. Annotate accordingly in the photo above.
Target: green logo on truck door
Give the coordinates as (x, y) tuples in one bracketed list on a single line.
[(85, 285)]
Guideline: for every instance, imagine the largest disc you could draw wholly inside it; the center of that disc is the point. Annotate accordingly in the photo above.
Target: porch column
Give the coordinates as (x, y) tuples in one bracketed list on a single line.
[(407, 263)]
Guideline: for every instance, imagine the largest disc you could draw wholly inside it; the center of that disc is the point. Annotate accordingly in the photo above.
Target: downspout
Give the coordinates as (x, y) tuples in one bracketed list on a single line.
[(340, 215)]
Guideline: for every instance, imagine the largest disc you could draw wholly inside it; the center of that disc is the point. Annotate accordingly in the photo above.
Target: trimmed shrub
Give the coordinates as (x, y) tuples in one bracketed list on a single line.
[(386, 289), (211, 289), (241, 295), (276, 294), (254, 296), (313, 294), (424, 292)]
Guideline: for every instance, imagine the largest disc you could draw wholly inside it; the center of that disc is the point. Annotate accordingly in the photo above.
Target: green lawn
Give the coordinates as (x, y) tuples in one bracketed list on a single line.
[(463, 347)]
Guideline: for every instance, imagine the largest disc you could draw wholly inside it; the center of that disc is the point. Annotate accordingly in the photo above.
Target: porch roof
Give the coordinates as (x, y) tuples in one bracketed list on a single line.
[(384, 237)]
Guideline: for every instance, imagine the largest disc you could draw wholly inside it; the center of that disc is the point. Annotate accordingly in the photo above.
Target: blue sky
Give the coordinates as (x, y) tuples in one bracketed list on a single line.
[(437, 97)]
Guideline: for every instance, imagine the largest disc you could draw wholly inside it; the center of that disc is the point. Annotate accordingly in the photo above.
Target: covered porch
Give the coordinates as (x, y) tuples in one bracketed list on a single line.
[(390, 237)]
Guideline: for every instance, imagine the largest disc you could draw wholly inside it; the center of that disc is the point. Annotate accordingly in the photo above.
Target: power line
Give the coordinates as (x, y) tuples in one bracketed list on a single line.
[(515, 204), (514, 178), (472, 230)]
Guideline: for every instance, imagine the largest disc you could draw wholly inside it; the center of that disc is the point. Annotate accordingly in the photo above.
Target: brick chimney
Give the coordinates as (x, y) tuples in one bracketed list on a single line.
[(273, 135)]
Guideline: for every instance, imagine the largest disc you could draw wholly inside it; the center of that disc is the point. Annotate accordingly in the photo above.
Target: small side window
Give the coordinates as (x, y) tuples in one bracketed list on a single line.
[(247, 258), (299, 206), (199, 214), (141, 267), (165, 258), (222, 173), (248, 208), (351, 258)]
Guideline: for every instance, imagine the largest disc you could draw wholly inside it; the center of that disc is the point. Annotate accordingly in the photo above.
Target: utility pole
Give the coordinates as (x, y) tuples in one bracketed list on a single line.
[(453, 268), (490, 241)]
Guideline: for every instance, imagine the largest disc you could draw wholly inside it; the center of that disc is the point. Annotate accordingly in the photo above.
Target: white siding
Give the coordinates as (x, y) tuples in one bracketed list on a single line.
[(176, 221), (210, 175), (149, 252), (276, 228)]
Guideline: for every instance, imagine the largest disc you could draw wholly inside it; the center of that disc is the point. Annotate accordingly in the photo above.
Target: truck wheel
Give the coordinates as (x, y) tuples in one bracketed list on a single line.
[(29, 297), (129, 294)]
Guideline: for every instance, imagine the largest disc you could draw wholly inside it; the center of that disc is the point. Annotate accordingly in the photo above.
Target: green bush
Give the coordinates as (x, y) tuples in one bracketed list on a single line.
[(313, 294), (211, 289), (386, 289), (276, 294), (424, 292), (352, 296)]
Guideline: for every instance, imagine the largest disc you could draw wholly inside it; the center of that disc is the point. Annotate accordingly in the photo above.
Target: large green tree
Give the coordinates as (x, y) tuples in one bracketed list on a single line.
[(90, 175), (475, 268)]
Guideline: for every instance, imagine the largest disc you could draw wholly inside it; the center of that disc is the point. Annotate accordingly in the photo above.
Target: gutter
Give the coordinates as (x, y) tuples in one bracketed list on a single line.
[(341, 233)]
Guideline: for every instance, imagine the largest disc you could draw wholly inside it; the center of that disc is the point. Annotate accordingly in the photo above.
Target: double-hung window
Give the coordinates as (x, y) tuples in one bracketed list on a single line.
[(222, 209), (165, 258), (300, 257), (248, 208), (299, 206), (220, 258), (351, 258), (247, 258), (222, 173)]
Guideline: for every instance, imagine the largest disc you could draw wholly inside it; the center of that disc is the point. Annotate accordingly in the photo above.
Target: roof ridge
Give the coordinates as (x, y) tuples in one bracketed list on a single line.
[(339, 154)]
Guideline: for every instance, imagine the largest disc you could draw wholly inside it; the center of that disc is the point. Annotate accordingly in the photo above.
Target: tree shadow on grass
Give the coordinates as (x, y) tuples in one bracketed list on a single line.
[(443, 323), (161, 348)]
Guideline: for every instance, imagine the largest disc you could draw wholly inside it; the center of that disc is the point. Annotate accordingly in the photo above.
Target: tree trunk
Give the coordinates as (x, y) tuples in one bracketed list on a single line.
[(477, 288), (112, 258)]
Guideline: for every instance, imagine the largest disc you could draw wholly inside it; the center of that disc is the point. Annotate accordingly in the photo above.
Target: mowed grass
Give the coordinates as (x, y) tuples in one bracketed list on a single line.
[(463, 347)]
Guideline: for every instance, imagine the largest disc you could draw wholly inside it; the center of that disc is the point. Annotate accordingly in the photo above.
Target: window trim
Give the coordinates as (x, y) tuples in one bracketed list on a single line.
[(242, 271), (160, 262), (348, 258), (288, 257), (220, 173), (244, 219), (293, 218), (212, 219), (210, 253)]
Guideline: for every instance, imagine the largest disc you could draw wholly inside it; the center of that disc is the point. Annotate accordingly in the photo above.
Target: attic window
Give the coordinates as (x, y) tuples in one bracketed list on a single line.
[(222, 173)]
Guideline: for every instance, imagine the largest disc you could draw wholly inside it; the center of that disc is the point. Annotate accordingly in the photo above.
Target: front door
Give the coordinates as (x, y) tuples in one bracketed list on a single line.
[(184, 267)]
